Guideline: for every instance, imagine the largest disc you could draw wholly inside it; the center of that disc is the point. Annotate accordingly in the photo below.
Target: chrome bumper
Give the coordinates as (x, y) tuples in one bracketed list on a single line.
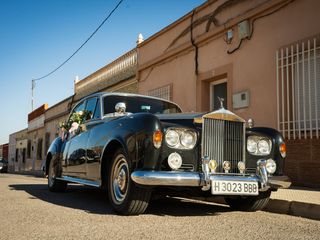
[(279, 182), (192, 179), (204, 179)]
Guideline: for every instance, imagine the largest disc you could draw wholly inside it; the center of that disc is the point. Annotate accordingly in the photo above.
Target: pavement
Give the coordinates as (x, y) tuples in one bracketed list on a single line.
[(295, 201), (29, 211)]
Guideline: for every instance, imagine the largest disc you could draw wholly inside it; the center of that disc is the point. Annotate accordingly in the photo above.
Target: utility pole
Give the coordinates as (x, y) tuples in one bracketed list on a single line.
[(33, 84)]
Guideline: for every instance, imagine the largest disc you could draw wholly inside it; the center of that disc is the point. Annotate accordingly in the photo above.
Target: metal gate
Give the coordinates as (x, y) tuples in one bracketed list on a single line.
[(298, 89)]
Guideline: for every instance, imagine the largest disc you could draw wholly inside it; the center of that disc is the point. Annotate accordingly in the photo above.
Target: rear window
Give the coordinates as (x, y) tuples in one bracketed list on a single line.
[(139, 104)]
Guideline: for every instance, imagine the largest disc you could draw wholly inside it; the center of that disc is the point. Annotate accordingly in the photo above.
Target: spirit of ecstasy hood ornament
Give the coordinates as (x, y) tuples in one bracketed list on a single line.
[(221, 100)]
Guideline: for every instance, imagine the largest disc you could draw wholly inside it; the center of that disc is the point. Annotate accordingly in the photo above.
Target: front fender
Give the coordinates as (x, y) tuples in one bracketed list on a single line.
[(133, 133)]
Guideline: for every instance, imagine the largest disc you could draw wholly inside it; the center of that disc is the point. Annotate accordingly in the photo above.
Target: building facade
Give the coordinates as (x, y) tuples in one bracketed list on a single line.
[(118, 76), (4, 148), (18, 142), (36, 138), (53, 117), (261, 56)]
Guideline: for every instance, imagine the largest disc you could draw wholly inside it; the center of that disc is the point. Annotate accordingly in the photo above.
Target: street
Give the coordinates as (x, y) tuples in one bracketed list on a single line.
[(29, 211)]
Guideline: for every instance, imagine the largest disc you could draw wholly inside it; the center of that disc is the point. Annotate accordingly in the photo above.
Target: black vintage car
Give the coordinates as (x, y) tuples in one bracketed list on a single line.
[(3, 165), (133, 145)]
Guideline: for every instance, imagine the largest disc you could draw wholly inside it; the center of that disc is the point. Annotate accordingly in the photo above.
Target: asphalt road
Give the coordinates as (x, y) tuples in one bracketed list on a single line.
[(29, 211)]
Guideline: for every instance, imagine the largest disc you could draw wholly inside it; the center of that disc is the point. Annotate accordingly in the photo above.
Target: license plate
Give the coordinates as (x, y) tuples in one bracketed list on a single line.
[(234, 188)]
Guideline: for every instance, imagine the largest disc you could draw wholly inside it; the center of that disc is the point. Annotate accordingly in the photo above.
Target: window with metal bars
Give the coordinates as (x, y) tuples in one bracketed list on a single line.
[(161, 92), (298, 89)]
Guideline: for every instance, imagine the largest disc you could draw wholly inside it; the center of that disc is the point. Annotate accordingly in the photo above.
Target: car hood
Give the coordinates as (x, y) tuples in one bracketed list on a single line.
[(185, 119)]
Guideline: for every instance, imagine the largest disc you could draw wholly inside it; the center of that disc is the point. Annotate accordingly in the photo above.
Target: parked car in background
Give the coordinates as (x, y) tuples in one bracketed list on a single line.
[(3, 165), (133, 145)]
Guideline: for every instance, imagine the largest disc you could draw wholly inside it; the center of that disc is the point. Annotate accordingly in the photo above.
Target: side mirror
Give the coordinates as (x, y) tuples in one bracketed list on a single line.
[(120, 107)]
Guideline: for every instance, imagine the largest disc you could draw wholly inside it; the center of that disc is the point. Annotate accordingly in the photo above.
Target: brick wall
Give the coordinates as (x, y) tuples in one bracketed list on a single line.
[(303, 162)]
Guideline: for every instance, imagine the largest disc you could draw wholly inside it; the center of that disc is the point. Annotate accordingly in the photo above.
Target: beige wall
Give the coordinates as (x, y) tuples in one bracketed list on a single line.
[(251, 68), (34, 162), (55, 115), (16, 164)]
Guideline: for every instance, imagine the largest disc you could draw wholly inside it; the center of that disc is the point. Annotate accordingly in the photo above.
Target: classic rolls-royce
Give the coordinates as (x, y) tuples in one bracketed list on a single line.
[(133, 146)]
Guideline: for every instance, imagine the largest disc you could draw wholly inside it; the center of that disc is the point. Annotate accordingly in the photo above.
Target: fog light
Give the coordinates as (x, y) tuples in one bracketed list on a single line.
[(271, 166), (174, 161), (213, 165), (241, 167), (226, 166)]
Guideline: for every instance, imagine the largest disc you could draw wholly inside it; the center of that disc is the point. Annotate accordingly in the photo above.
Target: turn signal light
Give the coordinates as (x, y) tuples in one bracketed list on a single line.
[(157, 139), (283, 150)]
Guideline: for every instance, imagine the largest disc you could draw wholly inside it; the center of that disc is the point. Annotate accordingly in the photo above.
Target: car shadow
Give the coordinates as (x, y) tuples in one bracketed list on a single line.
[(78, 197), (178, 207), (94, 201)]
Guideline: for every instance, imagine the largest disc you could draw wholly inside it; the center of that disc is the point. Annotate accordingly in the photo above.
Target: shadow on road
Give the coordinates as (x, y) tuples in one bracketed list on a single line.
[(93, 200), (77, 197), (184, 207)]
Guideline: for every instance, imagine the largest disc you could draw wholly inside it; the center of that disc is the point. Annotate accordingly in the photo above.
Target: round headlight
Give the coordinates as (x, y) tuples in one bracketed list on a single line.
[(172, 138), (271, 166), (174, 161), (188, 139), (264, 147), (252, 146), (259, 145)]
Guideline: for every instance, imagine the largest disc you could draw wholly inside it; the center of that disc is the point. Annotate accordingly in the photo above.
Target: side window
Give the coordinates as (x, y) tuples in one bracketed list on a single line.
[(90, 107), (97, 112), (79, 108)]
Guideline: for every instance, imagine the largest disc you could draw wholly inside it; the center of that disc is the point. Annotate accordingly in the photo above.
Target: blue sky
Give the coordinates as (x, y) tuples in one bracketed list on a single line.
[(36, 36)]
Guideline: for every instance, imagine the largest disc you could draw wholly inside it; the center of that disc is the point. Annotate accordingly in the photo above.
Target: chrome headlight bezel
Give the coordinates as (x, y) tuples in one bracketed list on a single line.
[(181, 138), (172, 138), (259, 145)]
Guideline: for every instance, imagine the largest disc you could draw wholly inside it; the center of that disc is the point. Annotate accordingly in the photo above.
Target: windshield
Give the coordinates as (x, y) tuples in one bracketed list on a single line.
[(139, 104)]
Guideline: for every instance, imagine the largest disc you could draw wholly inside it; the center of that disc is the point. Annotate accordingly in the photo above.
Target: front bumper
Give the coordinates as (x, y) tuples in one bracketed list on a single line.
[(193, 179)]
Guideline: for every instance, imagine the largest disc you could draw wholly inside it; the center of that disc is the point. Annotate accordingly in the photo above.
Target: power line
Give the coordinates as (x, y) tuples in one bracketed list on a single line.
[(97, 29)]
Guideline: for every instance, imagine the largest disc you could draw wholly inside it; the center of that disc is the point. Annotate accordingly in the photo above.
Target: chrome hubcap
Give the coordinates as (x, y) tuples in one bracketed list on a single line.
[(51, 174), (120, 179)]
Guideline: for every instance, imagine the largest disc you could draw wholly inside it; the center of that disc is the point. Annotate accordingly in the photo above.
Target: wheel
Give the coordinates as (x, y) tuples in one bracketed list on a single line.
[(249, 203), (125, 197), (54, 184)]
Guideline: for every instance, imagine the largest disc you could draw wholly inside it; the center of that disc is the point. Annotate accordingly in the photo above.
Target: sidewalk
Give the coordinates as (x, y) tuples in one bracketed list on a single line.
[(296, 201)]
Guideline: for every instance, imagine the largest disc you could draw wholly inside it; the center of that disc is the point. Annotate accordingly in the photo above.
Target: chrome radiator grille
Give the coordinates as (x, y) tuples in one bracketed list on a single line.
[(223, 141)]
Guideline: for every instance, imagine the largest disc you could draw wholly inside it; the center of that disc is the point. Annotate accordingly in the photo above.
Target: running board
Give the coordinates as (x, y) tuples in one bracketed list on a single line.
[(80, 181)]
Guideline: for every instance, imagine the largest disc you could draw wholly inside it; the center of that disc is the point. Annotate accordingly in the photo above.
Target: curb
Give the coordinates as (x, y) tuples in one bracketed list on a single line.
[(294, 208)]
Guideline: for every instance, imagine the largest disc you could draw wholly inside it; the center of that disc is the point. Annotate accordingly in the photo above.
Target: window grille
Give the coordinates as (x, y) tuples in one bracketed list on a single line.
[(162, 92), (298, 89)]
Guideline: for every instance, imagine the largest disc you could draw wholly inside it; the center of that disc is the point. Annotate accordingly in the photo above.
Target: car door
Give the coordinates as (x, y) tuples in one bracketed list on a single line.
[(76, 146), (95, 143)]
